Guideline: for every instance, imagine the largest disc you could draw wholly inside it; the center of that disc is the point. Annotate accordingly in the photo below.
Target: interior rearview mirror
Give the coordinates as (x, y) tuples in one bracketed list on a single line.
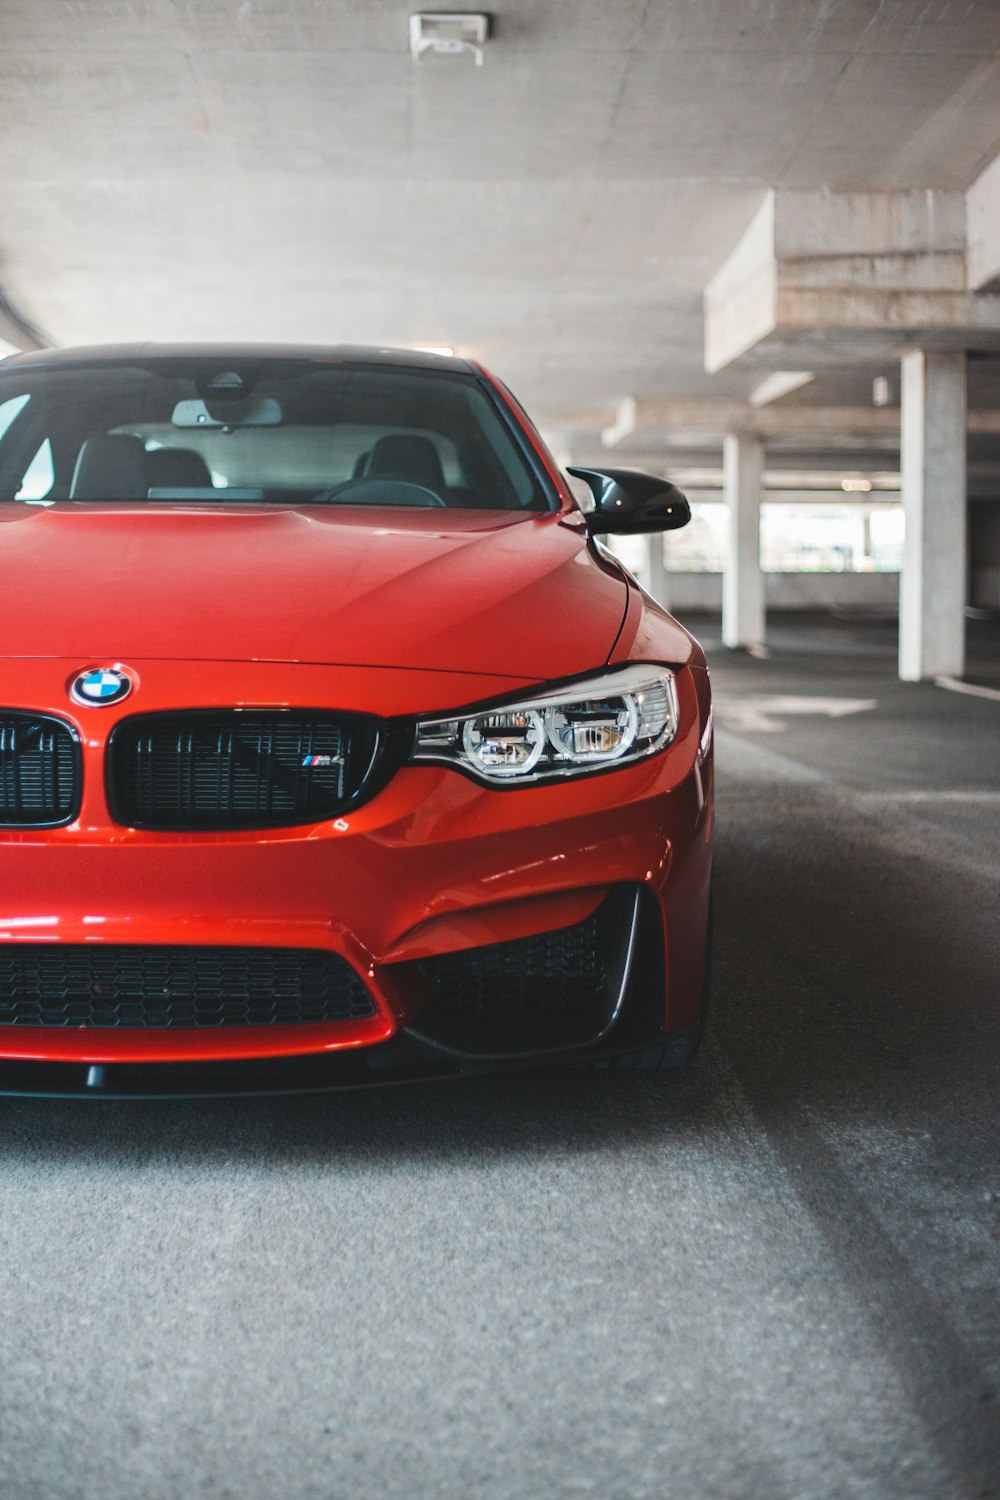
[(253, 411), (626, 501)]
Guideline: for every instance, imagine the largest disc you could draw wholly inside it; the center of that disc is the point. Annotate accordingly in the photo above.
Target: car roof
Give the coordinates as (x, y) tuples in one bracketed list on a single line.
[(320, 353)]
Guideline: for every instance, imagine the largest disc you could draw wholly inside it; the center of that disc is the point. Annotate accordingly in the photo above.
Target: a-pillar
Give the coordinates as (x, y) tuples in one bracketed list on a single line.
[(932, 590), (743, 584)]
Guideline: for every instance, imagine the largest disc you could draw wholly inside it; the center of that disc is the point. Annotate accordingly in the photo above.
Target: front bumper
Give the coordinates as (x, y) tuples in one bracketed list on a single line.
[(396, 1062), (432, 865)]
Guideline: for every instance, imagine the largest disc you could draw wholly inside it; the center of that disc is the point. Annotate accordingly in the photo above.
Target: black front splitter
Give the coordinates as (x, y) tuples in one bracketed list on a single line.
[(400, 1060)]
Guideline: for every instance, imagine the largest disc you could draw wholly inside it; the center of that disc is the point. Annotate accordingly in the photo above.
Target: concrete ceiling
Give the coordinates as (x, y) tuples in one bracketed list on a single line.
[(282, 169)]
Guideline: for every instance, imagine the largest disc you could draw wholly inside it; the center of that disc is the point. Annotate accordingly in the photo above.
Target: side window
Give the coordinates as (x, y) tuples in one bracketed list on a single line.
[(39, 476), (10, 409)]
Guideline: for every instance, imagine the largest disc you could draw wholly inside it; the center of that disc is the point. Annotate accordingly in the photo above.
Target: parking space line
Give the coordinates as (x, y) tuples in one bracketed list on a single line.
[(955, 685), (955, 795)]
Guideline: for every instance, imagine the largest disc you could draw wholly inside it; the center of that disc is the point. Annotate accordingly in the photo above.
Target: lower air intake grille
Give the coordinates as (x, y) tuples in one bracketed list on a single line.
[(107, 985), (40, 771), (229, 769), (550, 992), (550, 972)]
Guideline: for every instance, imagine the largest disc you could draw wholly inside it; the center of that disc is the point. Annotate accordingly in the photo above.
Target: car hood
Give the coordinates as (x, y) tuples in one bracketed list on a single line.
[(486, 592)]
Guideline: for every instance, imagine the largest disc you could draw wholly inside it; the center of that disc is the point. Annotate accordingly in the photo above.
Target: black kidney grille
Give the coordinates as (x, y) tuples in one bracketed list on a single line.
[(124, 986), (551, 971), (237, 770), (40, 771)]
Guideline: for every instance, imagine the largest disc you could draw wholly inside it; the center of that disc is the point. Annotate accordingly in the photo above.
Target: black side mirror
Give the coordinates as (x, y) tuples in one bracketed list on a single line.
[(628, 501)]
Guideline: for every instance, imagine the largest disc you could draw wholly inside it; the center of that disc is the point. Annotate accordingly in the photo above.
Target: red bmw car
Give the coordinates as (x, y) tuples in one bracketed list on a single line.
[(334, 747)]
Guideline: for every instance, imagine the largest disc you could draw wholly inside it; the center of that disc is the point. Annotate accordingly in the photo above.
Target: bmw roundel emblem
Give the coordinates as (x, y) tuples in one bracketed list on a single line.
[(100, 687)]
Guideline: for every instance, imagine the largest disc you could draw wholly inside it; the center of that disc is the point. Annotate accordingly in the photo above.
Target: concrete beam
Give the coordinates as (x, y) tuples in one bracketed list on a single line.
[(688, 422), (623, 426), (17, 331), (797, 477), (647, 414), (780, 383), (828, 276)]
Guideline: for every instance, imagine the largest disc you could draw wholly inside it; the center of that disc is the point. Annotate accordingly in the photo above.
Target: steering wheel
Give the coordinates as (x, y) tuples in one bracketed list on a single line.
[(381, 492)]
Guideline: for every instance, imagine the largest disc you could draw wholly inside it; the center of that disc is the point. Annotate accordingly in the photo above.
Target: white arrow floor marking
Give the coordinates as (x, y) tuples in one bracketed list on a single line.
[(766, 714)]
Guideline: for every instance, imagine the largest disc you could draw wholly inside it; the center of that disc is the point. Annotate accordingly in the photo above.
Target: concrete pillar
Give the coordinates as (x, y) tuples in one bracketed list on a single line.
[(743, 585), (932, 590), (657, 582)]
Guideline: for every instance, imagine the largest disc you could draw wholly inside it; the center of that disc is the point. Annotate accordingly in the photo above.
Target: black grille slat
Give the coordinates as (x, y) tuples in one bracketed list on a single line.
[(234, 769), (41, 776), (126, 987), (265, 768)]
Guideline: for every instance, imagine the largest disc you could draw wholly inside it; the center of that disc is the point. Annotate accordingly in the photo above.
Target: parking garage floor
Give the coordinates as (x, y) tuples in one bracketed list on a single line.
[(775, 1276)]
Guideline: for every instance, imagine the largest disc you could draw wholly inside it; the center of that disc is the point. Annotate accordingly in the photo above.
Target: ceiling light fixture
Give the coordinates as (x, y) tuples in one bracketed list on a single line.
[(450, 32)]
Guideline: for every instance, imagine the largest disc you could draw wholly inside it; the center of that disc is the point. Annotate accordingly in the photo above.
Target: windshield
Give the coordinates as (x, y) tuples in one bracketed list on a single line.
[(289, 431)]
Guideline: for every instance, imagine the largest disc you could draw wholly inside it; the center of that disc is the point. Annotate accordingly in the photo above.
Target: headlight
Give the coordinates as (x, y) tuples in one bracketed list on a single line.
[(603, 721)]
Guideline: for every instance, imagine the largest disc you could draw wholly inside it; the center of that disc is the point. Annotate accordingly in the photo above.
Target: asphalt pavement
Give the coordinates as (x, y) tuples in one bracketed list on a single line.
[(773, 1277)]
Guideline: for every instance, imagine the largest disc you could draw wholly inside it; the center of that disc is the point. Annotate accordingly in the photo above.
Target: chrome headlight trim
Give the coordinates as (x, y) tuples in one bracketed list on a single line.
[(594, 724)]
